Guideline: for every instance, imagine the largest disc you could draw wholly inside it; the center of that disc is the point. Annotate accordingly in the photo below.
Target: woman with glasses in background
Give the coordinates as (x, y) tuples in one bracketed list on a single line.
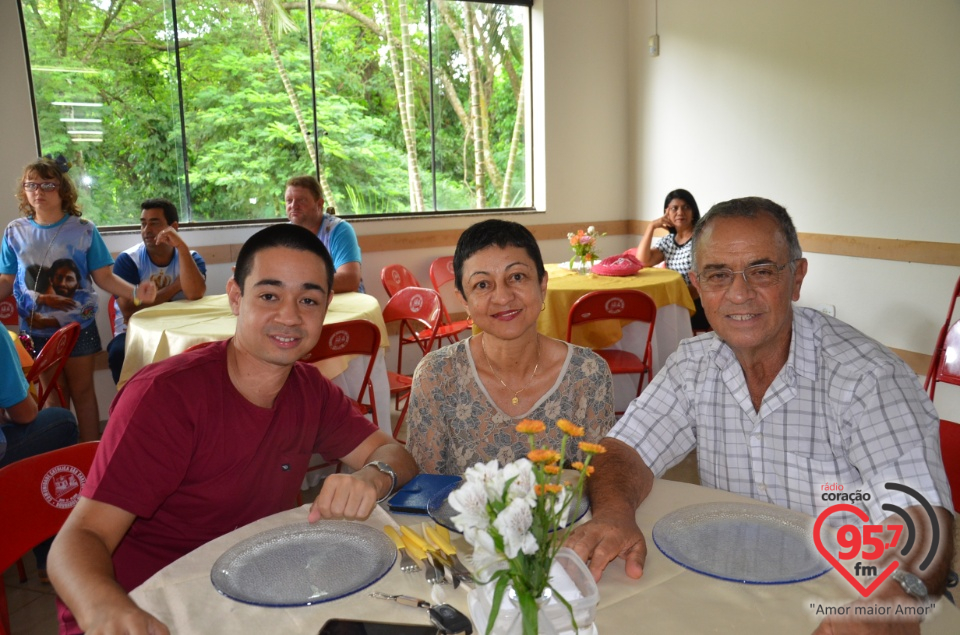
[(680, 215), (51, 232)]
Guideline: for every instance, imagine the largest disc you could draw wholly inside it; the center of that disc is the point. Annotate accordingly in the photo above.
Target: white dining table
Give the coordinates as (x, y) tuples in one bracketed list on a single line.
[(668, 598)]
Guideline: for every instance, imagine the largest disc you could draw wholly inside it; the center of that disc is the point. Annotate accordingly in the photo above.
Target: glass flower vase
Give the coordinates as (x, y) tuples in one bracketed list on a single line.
[(581, 264), (569, 576)]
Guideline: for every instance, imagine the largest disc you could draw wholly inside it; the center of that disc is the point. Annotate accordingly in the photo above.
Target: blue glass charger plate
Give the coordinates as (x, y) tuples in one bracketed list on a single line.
[(741, 542), (304, 564), (442, 513)]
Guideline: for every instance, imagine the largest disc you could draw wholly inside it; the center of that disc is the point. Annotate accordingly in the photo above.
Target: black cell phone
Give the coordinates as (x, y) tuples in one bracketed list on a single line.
[(363, 627)]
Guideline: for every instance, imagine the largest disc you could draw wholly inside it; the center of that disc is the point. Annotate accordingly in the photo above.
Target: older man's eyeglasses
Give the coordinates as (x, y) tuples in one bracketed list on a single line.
[(756, 276), (49, 186)]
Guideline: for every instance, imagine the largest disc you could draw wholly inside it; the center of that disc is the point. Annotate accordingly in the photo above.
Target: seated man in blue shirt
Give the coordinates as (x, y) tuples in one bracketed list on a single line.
[(162, 257), (304, 201), (24, 431)]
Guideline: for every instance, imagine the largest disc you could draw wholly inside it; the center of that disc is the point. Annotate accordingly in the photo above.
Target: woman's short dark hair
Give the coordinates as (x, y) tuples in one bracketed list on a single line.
[(284, 235), (686, 197), (48, 169), (501, 233)]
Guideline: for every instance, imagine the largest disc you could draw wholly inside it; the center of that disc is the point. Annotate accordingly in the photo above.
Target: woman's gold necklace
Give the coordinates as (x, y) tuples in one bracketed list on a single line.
[(516, 395)]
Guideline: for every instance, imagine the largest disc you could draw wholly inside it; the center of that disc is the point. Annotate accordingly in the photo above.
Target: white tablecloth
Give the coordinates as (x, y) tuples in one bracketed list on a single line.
[(666, 599)]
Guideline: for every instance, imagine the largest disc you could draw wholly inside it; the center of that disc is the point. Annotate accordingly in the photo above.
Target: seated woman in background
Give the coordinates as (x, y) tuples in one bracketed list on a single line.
[(468, 397), (680, 214)]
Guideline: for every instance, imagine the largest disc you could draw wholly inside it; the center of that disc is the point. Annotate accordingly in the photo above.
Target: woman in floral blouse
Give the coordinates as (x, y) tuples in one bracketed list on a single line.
[(468, 397)]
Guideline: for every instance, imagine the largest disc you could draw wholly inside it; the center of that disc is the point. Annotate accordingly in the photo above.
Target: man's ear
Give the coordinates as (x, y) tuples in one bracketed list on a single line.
[(234, 294), (798, 277)]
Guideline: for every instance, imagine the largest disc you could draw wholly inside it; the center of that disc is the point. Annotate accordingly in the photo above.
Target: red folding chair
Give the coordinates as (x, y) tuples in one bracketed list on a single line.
[(945, 368), (938, 348), (8, 312), (418, 311), (54, 357), (38, 494), (355, 337), (627, 304), (441, 274), (397, 277)]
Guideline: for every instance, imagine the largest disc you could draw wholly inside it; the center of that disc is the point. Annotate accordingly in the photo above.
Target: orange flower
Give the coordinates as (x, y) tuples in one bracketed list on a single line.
[(570, 428), (549, 488), (591, 448), (552, 469), (531, 426), (578, 465), (543, 455)]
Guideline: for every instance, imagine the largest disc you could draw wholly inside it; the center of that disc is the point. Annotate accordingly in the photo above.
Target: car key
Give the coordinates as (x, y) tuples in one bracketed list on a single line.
[(450, 620)]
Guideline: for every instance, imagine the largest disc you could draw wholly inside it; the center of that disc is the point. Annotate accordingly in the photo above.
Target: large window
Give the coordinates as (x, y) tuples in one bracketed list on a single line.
[(397, 106)]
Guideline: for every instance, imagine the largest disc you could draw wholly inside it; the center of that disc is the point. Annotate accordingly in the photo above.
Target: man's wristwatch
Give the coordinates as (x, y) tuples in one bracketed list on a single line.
[(386, 469), (911, 584)]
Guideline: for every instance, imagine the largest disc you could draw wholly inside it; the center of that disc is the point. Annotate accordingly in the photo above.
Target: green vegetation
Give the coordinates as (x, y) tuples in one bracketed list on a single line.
[(108, 93)]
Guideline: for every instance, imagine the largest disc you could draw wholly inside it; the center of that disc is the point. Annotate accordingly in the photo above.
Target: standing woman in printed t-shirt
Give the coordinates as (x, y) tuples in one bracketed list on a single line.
[(49, 297), (680, 214)]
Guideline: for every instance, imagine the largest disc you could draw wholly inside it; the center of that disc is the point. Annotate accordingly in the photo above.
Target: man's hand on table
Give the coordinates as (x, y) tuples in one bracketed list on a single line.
[(346, 496), (601, 540)]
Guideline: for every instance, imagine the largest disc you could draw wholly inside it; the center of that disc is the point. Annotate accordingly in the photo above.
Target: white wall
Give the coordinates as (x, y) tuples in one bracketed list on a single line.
[(847, 113)]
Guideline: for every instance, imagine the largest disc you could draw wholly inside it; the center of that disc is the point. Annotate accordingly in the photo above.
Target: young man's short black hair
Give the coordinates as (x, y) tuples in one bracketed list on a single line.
[(283, 235)]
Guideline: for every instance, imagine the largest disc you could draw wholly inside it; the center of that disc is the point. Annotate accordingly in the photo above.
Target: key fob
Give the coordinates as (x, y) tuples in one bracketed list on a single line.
[(450, 620)]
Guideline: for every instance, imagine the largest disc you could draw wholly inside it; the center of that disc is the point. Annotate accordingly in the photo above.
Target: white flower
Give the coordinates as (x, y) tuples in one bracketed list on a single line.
[(486, 559), (513, 523), (591, 229), (490, 475), (569, 235), (522, 486), (470, 500)]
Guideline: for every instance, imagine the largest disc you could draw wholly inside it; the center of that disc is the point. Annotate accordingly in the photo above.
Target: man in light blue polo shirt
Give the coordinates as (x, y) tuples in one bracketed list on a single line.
[(304, 203)]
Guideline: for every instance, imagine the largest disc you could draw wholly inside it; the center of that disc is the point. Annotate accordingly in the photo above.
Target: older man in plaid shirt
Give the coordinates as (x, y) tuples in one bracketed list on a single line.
[(779, 402)]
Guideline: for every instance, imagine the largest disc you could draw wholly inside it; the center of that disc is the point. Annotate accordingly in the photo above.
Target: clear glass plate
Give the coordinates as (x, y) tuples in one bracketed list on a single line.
[(741, 542), (304, 564), (442, 513)]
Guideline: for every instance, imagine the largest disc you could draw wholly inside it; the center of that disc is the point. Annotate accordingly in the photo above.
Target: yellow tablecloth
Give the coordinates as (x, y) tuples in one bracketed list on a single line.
[(161, 331), (26, 362), (667, 599), (564, 287)]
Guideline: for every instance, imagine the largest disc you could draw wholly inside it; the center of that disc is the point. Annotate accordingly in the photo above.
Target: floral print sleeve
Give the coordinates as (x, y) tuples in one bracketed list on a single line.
[(452, 423)]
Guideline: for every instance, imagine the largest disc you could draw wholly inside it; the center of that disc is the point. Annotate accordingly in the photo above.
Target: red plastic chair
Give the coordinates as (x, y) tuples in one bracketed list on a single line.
[(418, 311), (38, 494), (112, 314), (945, 368), (397, 277), (8, 312), (54, 357), (355, 337), (441, 274), (938, 349), (627, 304)]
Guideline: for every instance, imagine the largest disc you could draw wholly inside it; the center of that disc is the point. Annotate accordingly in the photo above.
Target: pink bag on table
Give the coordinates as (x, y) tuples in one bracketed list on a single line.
[(624, 264)]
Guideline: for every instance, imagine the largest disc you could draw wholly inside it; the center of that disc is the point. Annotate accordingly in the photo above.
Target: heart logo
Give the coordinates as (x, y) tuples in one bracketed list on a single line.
[(862, 515)]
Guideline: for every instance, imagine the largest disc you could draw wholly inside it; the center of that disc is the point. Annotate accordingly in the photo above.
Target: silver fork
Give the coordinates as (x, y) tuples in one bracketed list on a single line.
[(407, 564)]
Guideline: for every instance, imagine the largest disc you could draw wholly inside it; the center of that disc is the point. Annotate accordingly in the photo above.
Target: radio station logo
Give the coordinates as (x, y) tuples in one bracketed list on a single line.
[(861, 547)]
